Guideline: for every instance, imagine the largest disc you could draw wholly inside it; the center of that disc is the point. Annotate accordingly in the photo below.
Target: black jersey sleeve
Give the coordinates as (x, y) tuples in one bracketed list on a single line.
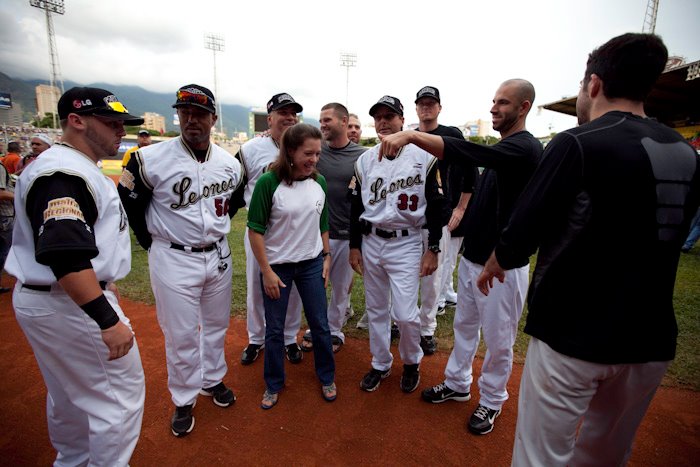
[(356, 210), (436, 203), (506, 154), (136, 195), (62, 212)]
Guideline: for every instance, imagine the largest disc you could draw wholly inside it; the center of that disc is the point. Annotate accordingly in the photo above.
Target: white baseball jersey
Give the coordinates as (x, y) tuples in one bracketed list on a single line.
[(256, 155), (111, 227), (393, 191), (190, 200)]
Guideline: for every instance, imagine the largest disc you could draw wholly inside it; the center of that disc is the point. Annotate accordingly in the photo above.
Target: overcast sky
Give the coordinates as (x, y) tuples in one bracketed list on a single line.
[(465, 48)]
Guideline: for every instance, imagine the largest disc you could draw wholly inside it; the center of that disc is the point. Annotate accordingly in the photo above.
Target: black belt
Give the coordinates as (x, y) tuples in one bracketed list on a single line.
[(390, 233), (194, 249), (47, 288)]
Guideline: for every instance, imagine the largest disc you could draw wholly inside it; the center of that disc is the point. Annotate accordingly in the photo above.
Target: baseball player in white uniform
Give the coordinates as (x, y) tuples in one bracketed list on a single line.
[(71, 242), (392, 199), (180, 196), (256, 156)]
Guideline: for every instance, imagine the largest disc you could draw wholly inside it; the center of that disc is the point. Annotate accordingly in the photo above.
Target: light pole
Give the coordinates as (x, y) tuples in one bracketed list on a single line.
[(52, 6), (215, 43), (348, 60)]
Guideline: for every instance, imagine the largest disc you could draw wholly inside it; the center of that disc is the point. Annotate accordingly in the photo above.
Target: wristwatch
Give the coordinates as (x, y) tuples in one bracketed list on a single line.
[(434, 248)]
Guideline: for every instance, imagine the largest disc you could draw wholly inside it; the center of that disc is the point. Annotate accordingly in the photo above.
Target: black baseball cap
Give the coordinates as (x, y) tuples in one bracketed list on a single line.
[(388, 101), (196, 95), (283, 100), (428, 91), (144, 132), (94, 101)]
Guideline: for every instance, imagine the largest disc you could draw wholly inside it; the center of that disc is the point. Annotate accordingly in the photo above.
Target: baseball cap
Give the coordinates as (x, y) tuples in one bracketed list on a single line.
[(196, 95), (428, 91), (94, 101), (282, 100), (392, 102), (144, 132)]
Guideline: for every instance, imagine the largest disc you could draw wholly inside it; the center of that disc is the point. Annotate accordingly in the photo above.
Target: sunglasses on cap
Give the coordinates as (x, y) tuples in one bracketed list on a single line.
[(186, 96)]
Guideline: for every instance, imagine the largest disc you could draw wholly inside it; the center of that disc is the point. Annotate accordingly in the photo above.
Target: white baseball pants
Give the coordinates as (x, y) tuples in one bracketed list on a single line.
[(497, 315), (94, 406), (193, 304), (430, 288), (391, 278), (340, 278), (254, 303), (561, 396), (447, 290)]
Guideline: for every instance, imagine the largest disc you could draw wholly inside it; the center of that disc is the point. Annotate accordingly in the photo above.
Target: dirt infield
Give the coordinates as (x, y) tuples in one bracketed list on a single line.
[(386, 427)]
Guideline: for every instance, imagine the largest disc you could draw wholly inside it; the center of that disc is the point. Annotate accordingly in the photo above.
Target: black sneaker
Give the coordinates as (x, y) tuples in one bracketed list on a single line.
[(371, 380), (220, 394), (428, 344), (441, 310), (395, 333), (410, 378), (294, 354), (251, 353), (482, 420), (183, 421), (442, 393)]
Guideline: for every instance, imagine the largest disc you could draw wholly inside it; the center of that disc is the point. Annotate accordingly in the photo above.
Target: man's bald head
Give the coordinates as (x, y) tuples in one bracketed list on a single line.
[(524, 89)]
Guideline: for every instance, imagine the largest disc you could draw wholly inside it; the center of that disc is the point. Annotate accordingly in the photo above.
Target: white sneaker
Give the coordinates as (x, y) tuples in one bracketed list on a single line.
[(362, 323), (349, 313)]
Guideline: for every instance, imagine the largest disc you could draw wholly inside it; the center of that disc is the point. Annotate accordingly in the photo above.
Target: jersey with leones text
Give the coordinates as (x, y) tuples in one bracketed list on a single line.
[(189, 200), (393, 190), (111, 229), (256, 156)]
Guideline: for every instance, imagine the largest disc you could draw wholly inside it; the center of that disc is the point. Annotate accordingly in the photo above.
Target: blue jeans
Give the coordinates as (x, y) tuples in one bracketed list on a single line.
[(694, 234), (307, 275)]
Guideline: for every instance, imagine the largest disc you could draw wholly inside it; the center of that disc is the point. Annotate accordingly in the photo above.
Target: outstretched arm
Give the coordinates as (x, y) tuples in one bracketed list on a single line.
[(391, 144)]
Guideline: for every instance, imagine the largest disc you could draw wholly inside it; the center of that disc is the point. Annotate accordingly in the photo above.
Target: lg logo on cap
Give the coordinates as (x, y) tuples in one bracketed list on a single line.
[(78, 103)]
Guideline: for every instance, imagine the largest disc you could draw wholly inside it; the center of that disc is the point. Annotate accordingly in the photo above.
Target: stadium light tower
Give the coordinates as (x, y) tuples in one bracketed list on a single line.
[(215, 43), (52, 6), (347, 60)]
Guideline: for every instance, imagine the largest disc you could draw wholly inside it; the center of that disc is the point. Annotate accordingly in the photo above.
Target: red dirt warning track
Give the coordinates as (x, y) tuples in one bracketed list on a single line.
[(386, 427)]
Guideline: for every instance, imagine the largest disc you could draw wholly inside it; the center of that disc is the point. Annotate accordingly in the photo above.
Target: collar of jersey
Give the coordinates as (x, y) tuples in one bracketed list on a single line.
[(191, 152)]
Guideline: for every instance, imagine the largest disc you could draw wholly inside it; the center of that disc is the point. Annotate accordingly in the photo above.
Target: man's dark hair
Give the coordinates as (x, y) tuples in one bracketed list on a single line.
[(13, 147), (629, 65), (339, 109)]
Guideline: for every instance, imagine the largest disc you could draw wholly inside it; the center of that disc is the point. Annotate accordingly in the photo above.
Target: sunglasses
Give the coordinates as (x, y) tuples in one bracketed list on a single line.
[(186, 96)]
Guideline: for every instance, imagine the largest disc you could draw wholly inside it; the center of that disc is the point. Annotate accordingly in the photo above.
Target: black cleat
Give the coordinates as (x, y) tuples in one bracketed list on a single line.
[(220, 394), (251, 353)]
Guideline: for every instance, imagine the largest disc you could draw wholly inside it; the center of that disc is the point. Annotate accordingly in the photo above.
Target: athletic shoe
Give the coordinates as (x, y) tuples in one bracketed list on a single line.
[(370, 382), (442, 393), (294, 354), (251, 353), (183, 421), (362, 323), (410, 378), (395, 333), (349, 313), (428, 344), (482, 420), (220, 394), (441, 310), (450, 303)]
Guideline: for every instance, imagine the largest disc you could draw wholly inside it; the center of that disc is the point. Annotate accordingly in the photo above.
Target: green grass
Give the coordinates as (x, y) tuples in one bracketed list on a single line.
[(684, 371)]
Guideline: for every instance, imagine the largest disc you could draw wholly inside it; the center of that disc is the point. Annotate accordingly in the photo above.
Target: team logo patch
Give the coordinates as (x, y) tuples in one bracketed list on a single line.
[(63, 209), (127, 180)]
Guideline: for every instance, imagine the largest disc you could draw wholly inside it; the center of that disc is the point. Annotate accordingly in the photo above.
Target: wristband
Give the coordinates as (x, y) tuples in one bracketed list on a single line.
[(326, 253), (101, 311)]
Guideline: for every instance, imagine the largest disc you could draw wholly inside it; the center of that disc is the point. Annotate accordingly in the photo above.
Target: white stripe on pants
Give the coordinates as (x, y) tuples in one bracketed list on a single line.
[(558, 391), (193, 304), (391, 273), (497, 315), (430, 288), (255, 310), (94, 405), (340, 277)]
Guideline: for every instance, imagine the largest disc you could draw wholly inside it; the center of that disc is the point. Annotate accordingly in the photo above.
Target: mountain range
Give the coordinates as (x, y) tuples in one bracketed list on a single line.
[(136, 99)]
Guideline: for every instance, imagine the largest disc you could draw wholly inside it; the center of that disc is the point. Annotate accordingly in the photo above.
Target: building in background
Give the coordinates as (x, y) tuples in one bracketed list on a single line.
[(476, 128), (154, 121), (46, 99)]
